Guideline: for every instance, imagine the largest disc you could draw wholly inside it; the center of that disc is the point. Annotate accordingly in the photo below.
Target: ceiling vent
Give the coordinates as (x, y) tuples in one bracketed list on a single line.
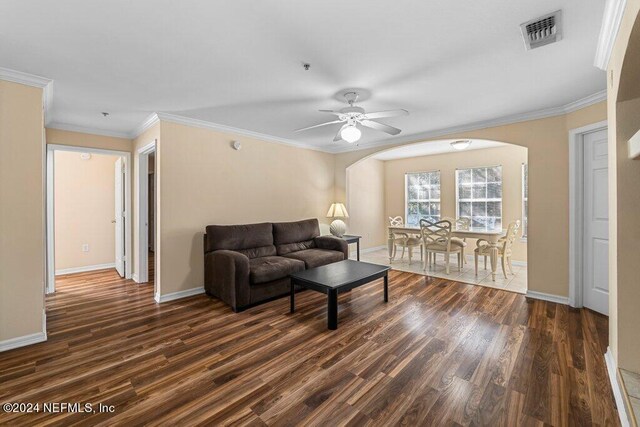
[(541, 31)]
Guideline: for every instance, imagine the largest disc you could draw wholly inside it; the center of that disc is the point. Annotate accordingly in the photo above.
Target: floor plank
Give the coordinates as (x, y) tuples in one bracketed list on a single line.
[(439, 352)]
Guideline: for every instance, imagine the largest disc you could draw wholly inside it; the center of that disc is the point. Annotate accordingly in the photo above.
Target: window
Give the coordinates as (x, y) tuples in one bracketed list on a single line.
[(479, 196), (422, 196), (525, 199)]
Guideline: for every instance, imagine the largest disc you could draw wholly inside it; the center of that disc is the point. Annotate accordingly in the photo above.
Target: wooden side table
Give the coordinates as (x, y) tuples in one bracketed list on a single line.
[(350, 238)]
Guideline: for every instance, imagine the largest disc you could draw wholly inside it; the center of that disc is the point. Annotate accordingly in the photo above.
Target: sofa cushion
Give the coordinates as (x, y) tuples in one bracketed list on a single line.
[(253, 240), (295, 236), (316, 257), (266, 269)]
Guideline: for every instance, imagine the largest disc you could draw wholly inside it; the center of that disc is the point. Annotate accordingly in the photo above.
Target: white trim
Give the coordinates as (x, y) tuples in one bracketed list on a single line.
[(92, 131), (34, 81), (142, 206), (187, 121), (85, 268), (149, 148), (611, 19), (612, 370), (134, 277), (178, 295), (506, 120), (50, 232), (576, 209), (50, 222), (634, 146), (548, 297), (24, 78), (25, 340), (368, 250), (144, 126)]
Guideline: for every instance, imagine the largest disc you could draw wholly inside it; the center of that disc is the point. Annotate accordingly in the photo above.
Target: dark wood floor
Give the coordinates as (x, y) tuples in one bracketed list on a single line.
[(439, 353)]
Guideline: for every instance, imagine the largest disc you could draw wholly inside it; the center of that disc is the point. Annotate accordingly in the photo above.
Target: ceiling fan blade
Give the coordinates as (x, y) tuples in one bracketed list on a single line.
[(317, 126), (388, 113), (338, 137), (379, 126), (337, 113)]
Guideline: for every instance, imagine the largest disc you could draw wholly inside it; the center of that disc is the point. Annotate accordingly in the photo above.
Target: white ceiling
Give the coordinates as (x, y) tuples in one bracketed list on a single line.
[(239, 63), (433, 147)]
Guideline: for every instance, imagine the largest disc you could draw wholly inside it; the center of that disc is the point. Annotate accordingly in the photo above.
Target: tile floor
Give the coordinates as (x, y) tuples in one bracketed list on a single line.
[(515, 283), (631, 382)]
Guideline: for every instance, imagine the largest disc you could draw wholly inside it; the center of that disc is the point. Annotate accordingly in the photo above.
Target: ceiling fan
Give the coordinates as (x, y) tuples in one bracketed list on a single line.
[(353, 116)]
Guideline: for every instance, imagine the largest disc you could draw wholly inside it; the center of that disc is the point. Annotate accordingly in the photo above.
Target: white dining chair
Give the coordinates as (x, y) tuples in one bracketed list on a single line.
[(404, 240), (436, 238), (460, 224), (505, 249)]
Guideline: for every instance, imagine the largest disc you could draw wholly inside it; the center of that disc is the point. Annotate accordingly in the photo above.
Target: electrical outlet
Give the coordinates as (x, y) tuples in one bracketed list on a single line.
[(85, 247)]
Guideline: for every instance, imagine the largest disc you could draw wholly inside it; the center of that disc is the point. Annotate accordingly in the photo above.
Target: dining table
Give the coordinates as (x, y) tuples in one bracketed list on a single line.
[(492, 236)]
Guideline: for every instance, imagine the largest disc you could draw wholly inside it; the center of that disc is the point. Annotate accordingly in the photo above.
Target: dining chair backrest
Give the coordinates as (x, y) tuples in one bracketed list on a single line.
[(396, 221), (510, 238), (435, 232), (460, 223), (463, 223)]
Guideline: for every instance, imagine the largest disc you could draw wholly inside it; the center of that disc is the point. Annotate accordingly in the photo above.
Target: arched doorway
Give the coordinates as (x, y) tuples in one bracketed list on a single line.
[(486, 182)]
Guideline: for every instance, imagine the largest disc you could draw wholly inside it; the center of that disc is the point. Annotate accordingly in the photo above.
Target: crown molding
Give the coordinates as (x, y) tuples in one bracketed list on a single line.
[(187, 121), (611, 19), (35, 81), (92, 131), (500, 121), (151, 121), (24, 78)]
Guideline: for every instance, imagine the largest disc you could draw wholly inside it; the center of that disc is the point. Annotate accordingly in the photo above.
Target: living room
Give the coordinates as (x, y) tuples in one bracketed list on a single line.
[(260, 310)]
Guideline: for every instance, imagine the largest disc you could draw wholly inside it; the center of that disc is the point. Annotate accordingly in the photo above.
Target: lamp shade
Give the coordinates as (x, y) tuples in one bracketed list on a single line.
[(337, 210)]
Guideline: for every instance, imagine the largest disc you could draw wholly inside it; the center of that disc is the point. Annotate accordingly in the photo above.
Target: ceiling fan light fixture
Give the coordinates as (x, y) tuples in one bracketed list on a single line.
[(350, 133), (461, 144)]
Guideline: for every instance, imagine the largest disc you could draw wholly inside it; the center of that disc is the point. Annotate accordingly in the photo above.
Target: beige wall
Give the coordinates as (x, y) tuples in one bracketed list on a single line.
[(150, 135), (547, 141), (84, 208), (79, 139), (623, 103), (204, 181), (22, 265), (366, 202), (511, 158)]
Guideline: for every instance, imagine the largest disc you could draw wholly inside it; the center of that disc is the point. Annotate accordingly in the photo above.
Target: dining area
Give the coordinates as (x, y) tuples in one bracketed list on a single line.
[(452, 249), (458, 214)]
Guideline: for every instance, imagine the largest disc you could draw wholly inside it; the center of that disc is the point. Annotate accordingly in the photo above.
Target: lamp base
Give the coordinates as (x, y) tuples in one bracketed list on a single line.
[(338, 228)]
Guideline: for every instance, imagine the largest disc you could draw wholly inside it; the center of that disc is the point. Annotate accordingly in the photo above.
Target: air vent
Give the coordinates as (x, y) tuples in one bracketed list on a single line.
[(542, 31)]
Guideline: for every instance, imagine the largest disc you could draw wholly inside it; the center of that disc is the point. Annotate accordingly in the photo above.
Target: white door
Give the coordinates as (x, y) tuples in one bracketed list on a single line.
[(119, 216), (595, 263)]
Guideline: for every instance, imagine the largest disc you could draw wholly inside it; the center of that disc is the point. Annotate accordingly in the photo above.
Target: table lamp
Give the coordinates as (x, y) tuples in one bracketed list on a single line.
[(338, 227)]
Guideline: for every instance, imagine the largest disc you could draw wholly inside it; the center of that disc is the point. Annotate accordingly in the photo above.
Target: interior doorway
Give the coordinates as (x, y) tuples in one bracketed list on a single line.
[(146, 202), (88, 204), (589, 218)]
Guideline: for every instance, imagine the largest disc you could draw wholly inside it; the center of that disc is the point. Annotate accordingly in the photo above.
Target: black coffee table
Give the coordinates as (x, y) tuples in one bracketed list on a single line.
[(338, 277)]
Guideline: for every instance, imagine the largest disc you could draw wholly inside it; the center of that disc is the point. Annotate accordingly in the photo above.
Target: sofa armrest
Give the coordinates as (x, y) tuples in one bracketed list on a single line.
[(333, 243), (226, 276)]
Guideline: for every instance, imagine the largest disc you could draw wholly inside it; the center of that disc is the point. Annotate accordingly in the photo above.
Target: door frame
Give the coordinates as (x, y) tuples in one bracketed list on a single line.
[(576, 209), (142, 204), (50, 207)]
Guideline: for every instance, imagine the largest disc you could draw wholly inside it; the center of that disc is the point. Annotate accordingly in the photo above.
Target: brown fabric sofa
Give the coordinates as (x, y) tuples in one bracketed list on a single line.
[(245, 265)]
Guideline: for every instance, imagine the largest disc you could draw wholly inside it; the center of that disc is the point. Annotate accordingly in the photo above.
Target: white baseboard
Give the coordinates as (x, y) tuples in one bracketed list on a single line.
[(368, 250), (612, 369), (22, 341), (548, 297), (85, 268), (134, 277), (177, 295)]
